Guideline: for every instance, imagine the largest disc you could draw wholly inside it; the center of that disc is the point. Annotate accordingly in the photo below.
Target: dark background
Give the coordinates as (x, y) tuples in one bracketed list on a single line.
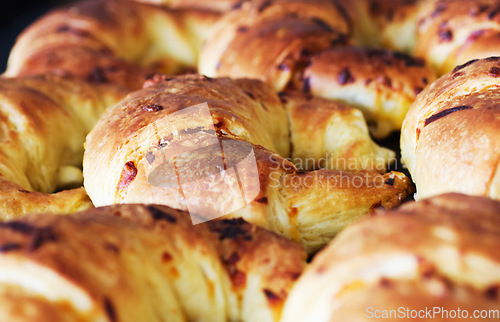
[(15, 15)]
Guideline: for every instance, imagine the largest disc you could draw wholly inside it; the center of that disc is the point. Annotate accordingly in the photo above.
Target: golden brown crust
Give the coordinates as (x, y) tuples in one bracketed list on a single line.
[(87, 57), (125, 263), (437, 252), (163, 145), (451, 32), (296, 45), (387, 23), (271, 40), (341, 138), (34, 157), (383, 84), (104, 40), (449, 138), (211, 5)]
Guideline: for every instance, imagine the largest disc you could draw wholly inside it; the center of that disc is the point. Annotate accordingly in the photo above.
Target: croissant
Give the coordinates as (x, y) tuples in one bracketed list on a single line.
[(142, 263), (220, 148), (197, 144), (63, 72), (449, 140), (36, 159), (302, 45), (435, 255)]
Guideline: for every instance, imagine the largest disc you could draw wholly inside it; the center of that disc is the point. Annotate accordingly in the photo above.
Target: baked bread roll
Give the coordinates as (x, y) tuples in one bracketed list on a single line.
[(142, 263), (437, 253), (288, 44), (384, 23), (381, 83), (449, 140), (43, 122), (210, 5), (452, 32), (86, 57), (108, 40), (178, 141)]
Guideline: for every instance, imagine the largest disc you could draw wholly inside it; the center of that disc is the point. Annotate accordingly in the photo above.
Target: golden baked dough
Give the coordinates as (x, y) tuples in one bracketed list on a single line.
[(439, 252), (327, 134), (142, 263), (87, 57), (153, 263), (210, 5), (381, 83), (121, 164), (452, 32), (43, 123), (106, 40), (295, 44), (387, 23), (450, 136)]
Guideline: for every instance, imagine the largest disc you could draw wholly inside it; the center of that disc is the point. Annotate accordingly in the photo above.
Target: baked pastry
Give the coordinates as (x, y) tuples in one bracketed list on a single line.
[(44, 121), (197, 143), (162, 144), (142, 263), (452, 32), (63, 72), (449, 140), (107, 41), (210, 5), (437, 253), (298, 44), (92, 41)]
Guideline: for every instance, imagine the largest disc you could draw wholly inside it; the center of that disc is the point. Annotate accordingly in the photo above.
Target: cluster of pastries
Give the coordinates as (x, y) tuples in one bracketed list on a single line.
[(167, 160)]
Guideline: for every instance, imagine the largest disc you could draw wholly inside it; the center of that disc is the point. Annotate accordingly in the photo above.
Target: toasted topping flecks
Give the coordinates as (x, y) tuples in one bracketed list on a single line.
[(97, 75), (19, 227), (409, 60), (158, 214), (264, 6), (446, 112), (249, 94), (237, 5), (460, 67), (152, 108), (230, 229), (345, 77), (42, 236), (128, 175), (239, 278), (478, 10), (494, 12), (271, 296), (112, 248), (445, 35), (440, 7), (9, 247), (306, 88), (166, 257), (322, 24), (494, 72), (110, 310), (492, 292), (385, 282), (242, 29), (262, 200)]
